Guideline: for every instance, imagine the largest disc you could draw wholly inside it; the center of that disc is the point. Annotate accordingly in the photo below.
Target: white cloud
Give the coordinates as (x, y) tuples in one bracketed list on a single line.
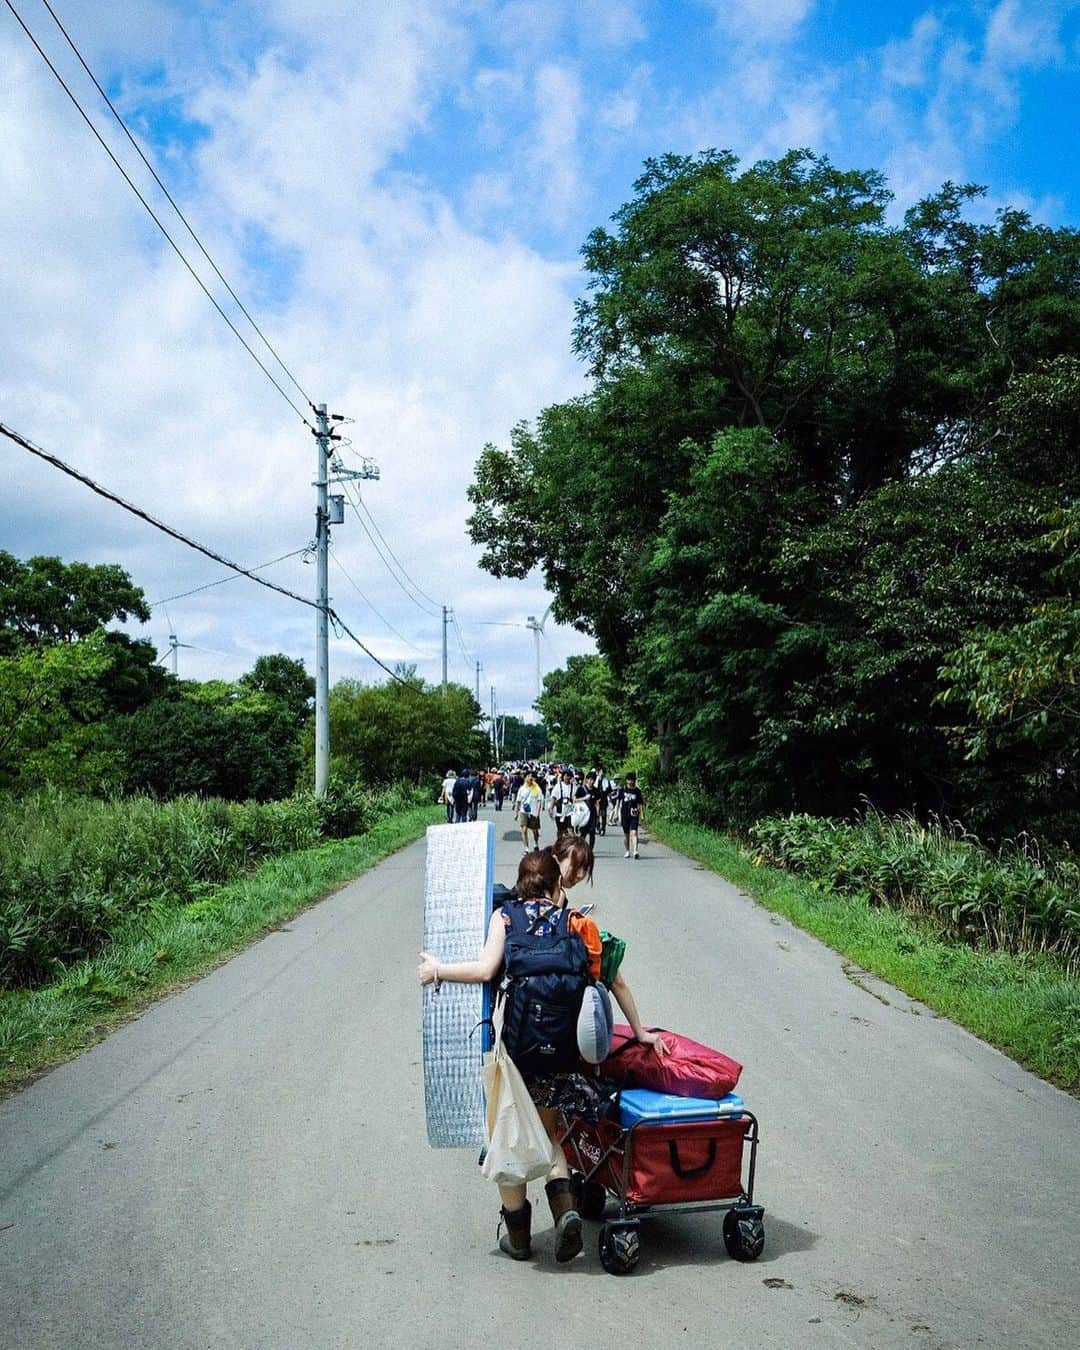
[(908, 62), (760, 20), (1022, 35), (434, 338), (554, 154)]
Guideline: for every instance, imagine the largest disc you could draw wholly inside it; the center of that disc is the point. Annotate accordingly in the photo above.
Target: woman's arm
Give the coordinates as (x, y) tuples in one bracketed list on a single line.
[(433, 971), (625, 999)]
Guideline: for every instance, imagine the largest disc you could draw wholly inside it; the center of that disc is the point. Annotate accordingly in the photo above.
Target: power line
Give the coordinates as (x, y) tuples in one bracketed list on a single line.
[(222, 580), (150, 520), (153, 216), (461, 641), (383, 558), (340, 622), (191, 543), (377, 614), (172, 202), (404, 573)]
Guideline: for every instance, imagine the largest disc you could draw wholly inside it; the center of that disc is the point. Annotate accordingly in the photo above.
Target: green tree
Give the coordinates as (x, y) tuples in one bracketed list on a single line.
[(285, 680), (50, 706), (45, 600), (581, 710), (523, 740), (792, 487), (187, 745), (388, 732)]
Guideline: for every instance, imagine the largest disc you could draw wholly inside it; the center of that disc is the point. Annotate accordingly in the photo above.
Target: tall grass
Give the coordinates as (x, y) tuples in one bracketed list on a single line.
[(152, 951), (74, 870), (1006, 900)]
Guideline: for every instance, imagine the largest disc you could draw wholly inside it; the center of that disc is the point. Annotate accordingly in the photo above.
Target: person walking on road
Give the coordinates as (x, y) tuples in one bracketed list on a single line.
[(461, 795), (498, 788), (528, 804), (446, 796), (586, 795), (603, 787), (561, 802), (539, 891), (632, 811)]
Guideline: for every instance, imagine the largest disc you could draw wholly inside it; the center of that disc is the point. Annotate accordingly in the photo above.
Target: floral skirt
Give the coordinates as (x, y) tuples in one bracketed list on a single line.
[(571, 1093)]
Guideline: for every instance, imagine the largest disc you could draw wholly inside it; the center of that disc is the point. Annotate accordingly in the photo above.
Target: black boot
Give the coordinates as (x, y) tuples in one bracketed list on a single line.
[(515, 1241), (568, 1241)]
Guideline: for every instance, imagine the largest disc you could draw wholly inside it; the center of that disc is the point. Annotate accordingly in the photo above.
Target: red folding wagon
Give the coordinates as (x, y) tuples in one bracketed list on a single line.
[(664, 1154)]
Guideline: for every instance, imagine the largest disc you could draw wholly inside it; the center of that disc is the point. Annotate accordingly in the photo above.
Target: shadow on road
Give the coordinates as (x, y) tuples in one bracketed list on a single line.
[(675, 1241)]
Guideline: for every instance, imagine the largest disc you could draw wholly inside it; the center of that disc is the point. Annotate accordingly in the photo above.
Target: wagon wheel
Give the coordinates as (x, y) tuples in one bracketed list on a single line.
[(744, 1233), (620, 1247)]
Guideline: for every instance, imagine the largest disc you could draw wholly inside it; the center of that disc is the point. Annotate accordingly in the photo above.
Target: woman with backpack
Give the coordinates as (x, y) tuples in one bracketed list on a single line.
[(536, 917)]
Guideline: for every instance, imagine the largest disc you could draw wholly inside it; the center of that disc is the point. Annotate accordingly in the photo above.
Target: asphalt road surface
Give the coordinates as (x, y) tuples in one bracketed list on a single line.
[(246, 1166)]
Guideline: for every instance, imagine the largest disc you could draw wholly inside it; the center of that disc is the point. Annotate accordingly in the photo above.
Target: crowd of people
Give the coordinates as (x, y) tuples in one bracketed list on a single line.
[(579, 802)]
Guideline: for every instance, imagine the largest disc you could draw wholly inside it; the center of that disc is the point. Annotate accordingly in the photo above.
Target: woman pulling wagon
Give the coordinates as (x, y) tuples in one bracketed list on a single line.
[(538, 907)]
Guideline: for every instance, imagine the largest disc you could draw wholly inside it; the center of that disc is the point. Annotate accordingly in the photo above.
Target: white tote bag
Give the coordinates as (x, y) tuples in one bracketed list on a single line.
[(518, 1147)]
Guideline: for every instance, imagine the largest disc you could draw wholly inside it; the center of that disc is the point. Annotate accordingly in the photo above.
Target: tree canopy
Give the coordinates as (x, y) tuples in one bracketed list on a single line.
[(817, 456)]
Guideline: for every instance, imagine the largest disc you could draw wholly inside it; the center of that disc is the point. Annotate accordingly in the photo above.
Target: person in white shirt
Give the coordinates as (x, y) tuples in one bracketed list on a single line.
[(528, 804), (446, 796), (561, 802)]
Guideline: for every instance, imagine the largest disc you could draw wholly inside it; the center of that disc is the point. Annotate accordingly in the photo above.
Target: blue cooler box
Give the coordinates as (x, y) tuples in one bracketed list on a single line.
[(639, 1105)]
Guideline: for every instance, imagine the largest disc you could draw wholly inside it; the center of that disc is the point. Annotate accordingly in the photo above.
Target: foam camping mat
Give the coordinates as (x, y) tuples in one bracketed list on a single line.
[(458, 879)]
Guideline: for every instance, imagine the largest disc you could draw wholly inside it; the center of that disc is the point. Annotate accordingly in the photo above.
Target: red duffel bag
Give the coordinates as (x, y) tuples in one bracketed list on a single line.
[(691, 1070)]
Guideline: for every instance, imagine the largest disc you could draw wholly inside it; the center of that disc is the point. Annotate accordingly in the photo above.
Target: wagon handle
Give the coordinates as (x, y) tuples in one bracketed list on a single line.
[(687, 1172)]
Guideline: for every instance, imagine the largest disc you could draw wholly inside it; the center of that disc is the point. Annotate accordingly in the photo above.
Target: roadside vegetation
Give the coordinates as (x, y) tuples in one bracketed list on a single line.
[(161, 920), (988, 939), (150, 826)]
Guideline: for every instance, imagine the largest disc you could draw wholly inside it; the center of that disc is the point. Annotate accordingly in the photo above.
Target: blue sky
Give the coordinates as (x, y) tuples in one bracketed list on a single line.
[(401, 191)]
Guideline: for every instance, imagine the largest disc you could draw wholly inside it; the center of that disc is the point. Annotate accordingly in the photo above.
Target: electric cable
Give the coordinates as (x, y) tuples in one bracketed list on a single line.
[(153, 216), (382, 557), (419, 590), (172, 202), (191, 543), (349, 633), (461, 642), (222, 580), (374, 611)]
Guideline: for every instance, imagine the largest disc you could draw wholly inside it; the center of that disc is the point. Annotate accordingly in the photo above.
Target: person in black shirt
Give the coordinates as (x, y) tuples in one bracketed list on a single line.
[(603, 787), (632, 812), (585, 792), (461, 795)]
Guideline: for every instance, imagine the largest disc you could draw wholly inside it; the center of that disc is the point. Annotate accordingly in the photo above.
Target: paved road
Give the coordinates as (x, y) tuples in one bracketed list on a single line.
[(246, 1165)]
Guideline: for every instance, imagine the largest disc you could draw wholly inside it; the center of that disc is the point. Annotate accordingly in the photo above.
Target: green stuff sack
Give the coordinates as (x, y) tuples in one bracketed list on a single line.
[(611, 957)]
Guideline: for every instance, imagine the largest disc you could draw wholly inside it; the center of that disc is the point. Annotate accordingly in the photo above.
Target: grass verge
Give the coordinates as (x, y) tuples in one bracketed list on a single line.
[(167, 948), (1026, 1005)]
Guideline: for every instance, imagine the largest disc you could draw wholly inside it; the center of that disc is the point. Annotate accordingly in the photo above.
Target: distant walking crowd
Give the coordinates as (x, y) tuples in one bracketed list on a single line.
[(577, 802)]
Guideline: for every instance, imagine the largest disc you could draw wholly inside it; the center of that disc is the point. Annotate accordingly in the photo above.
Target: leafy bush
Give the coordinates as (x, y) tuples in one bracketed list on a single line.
[(1010, 899), (73, 869), (690, 802)]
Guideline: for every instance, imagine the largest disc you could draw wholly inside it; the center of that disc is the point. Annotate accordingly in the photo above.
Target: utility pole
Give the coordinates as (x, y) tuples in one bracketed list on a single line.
[(328, 510), (494, 728), (445, 621), (479, 668), (322, 602)]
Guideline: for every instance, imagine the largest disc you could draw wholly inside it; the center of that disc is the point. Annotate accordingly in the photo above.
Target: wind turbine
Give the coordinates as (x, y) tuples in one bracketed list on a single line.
[(537, 629), (174, 646)]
